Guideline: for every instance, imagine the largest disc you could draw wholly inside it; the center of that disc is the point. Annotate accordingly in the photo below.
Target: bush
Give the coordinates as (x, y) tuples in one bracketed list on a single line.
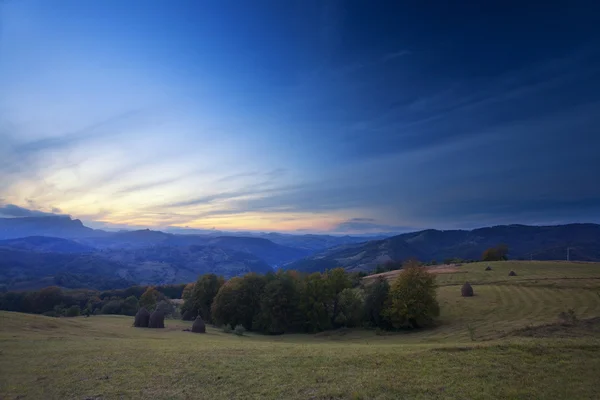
[(412, 299), (239, 330), (226, 328), (73, 311)]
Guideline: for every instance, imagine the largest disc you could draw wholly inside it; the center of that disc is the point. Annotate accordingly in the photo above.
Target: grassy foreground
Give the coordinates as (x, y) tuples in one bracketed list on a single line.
[(103, 357)]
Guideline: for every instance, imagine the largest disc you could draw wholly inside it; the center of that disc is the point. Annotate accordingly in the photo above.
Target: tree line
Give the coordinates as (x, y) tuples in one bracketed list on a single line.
[(288, 301), (274, 303), (54, 301)]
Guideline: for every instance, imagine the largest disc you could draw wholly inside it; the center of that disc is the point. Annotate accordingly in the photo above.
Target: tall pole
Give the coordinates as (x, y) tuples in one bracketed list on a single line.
[(569, 253)]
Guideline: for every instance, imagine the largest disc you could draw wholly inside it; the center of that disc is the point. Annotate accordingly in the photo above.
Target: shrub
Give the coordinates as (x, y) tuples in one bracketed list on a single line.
[(412, 299), (466, 290), (239, 330), (226, 328), (73, 311), (512, 273)]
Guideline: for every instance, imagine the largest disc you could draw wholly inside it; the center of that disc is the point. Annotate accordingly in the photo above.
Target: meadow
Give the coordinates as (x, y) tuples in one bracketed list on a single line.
[(505, 342)]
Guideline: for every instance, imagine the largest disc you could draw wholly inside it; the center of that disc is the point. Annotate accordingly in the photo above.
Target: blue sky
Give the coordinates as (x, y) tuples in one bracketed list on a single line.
[(300, 115)]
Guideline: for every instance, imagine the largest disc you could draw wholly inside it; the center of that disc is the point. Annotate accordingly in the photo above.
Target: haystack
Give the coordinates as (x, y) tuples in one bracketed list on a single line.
[(199, 326), (512, 273), (488, 268), (142, 318), (466, 290), (157, 320)]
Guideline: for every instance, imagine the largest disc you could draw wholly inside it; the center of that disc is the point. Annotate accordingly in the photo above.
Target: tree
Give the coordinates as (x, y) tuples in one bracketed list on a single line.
[(497, 253), (314, 302), (251, 288), (130, 306), (375, 302), (112, 307), (337, 281), (150, 298), (279, 304), (226, 307), (351, 307), (412, 298), (203, 294)]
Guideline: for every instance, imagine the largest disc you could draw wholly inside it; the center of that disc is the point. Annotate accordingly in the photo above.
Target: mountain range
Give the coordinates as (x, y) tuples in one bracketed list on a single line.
[(41, 251), (524, 242)]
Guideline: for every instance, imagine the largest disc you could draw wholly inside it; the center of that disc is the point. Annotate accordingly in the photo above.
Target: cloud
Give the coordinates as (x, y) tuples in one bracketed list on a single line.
[(14, 211)]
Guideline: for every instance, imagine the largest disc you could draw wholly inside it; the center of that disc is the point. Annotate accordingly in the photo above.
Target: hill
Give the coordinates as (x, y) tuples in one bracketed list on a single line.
[(524, 242), (27, 270), (46, 244), (274, 254), (111, 269), (492, 345)]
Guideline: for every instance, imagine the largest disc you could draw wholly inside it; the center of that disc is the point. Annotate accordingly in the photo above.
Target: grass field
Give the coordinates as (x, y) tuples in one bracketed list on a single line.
[(519, 351)]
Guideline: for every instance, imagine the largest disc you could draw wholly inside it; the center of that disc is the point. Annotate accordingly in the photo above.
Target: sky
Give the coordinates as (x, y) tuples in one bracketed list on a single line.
[(300, 116)]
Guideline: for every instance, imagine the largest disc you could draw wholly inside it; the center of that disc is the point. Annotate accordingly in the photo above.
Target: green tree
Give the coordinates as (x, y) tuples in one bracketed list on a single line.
[(203, 294), (412, 298), (150, 298), (279, 304), (130, 306), (337, 281), (351, 307), (251, 287), (112, 306), (314, 302), (226, 307), (375, 302)]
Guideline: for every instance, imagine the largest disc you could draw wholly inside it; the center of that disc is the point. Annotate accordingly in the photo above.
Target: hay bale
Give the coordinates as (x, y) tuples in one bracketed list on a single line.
[(488, 268), (199, 326), (142, 318), (512, 273), (466, 290), (157, 320)]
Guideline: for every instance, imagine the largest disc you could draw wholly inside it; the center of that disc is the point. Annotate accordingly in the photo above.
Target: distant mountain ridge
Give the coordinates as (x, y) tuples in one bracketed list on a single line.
[(43, 251), (524, 242)]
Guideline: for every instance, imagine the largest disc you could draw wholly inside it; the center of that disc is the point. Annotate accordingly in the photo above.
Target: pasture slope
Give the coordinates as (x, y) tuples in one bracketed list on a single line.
[(505, 342)]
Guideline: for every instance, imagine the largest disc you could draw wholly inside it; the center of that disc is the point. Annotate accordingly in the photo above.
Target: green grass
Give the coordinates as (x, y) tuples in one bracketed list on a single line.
[(103, 357)]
